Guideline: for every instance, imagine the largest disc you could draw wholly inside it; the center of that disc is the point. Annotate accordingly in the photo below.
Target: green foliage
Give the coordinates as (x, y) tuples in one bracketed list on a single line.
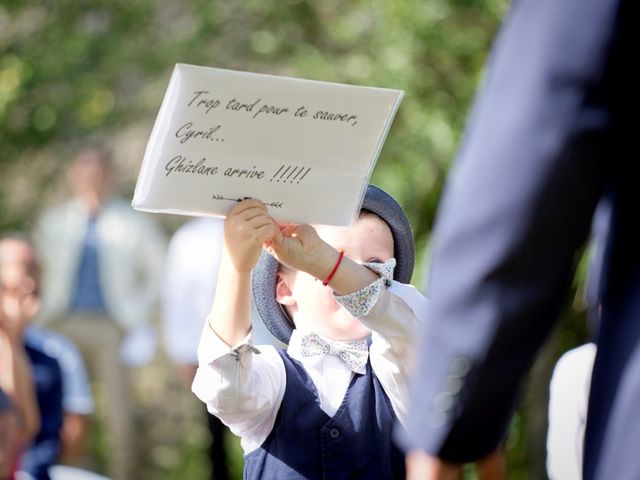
[(70, 69)]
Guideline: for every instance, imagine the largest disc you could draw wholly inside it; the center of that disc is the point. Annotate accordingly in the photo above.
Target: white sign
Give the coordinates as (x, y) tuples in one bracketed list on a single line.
[(305, 148)]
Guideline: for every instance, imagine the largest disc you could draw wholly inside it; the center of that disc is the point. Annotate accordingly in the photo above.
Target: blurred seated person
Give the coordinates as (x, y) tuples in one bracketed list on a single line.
[(16, 374), (61, 384)]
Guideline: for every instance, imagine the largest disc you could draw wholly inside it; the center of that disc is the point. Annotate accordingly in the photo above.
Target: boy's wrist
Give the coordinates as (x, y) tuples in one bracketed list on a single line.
[(234, 267), (324, 261)]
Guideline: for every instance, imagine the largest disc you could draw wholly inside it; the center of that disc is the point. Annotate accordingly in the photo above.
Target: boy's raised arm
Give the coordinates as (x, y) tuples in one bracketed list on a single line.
[(242, 389), (246, 228), (300, 247)]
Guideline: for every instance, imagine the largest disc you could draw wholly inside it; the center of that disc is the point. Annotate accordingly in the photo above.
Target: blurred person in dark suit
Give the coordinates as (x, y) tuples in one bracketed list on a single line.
[(550, 138)]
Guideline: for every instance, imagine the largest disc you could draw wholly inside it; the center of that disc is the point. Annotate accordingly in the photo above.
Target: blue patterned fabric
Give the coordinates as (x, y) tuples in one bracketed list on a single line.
[(354, 353), (361, 302)]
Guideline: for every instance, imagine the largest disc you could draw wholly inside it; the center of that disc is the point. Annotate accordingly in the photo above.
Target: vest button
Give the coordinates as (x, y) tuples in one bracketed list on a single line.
[(334, 432)]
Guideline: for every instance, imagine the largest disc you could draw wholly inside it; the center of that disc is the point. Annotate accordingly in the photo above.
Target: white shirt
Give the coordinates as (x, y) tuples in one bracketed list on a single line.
[(245, 389), (189, 284), (568, 401)]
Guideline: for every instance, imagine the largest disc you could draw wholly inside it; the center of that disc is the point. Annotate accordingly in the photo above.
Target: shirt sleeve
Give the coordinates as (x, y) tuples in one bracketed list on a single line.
[(392, 310), (360, 302), (568, 402), (76, 389), (75, 382), (242, 385)]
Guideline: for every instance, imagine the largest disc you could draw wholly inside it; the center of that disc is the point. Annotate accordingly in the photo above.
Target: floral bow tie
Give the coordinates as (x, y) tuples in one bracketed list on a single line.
[(354, 353)]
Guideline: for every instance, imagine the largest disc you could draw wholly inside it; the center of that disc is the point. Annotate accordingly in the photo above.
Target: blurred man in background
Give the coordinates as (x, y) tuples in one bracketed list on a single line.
[(102, 271)]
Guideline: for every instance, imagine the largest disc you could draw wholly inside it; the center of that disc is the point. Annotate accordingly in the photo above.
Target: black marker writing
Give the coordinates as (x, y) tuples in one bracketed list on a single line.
[(299, 172), (284, 173), (186, 132), (216, 196), (244, 173), (290, 174), (305, 174), (207, 103), (274, 176), (237, 106), (336, 117), (271, 110), (180, 164)]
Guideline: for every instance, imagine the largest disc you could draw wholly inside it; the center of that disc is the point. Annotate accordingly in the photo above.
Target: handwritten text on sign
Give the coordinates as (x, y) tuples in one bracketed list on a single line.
[(303, 147)]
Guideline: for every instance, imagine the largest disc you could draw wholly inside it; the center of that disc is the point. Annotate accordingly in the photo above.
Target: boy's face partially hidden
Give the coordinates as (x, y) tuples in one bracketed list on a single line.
[(312, 305)]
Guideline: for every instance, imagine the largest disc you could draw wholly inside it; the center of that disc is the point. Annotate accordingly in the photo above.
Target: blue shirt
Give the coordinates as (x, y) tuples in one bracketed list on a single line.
[(87, 294)]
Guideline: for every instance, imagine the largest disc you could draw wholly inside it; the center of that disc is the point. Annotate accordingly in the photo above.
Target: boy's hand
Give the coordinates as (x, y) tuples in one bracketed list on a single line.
[(246, 228), (300, 247)]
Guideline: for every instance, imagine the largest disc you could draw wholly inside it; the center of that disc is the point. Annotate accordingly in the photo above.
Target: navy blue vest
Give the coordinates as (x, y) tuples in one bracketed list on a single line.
[(306, 443)]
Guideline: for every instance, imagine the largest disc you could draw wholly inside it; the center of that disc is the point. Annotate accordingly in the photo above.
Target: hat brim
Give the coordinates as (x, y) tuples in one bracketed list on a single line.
[(265, 274)]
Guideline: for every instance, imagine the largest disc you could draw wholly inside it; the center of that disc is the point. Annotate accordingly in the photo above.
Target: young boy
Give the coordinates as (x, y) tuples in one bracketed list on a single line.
[(325, 407)]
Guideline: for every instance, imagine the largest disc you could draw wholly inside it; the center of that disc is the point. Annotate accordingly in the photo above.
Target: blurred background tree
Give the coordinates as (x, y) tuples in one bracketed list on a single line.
[(72, 71)]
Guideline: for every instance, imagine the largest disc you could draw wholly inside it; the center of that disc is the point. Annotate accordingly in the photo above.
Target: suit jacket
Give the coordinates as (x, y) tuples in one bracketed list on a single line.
[(131, 250), (549, 138)]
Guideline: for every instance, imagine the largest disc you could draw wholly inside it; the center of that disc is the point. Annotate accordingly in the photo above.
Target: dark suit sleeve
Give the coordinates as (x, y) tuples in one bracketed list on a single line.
[(516, 211)]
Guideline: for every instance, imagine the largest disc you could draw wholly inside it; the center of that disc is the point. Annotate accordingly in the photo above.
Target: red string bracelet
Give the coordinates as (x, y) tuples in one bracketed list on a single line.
[(335, 268)]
